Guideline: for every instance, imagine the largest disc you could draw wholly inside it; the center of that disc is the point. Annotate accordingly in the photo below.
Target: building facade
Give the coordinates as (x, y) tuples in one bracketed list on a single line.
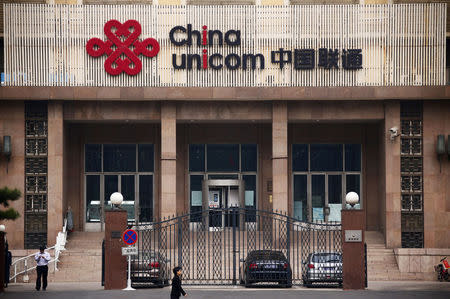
[(265, 105)]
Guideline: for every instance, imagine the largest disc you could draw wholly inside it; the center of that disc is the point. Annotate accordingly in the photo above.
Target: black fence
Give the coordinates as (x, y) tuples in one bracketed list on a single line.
[(217, 249)]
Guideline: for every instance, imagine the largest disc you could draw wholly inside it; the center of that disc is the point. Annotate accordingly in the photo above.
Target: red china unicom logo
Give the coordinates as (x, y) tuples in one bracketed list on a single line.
[(119, 43)]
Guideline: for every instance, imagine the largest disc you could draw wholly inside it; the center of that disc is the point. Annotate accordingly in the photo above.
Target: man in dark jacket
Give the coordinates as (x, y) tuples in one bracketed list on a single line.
[(177, 290)]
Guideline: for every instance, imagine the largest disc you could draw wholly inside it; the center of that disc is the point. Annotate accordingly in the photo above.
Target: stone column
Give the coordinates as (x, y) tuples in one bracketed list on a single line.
[(55, 171), (280, 156), (168, 159), (115, 263), (353, 223), (392, 176)]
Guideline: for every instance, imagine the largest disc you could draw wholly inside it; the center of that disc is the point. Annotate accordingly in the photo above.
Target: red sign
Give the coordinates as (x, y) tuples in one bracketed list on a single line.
[(129, 237), (122, 39)]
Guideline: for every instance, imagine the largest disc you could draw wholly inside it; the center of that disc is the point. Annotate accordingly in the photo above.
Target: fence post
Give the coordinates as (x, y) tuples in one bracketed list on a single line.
[(103, 263), (233, 209), (180, 242), (288, 238)]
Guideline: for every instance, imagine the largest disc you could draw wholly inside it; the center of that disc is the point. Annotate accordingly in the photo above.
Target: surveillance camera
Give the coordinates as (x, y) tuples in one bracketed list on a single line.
[(394, 132)]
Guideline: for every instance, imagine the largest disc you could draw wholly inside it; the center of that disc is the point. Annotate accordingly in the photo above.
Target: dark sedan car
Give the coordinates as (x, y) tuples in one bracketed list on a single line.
[(265, 266), (149, 267)]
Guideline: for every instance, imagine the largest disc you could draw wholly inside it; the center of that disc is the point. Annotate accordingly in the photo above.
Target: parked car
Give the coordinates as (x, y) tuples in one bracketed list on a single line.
[(265, 266), (149, 267), (323, 267)]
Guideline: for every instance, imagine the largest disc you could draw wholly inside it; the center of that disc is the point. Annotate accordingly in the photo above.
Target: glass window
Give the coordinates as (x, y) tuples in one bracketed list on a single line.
[(93, 208), (93, 158), (318, 196), (335, 197), (353, 157), (300, 197), (197, 157), (146, 157), (119, 157), (146, 198), (249, 157), (196, 198), (223, 157), (353, 184), (300, 157), (326, 157)]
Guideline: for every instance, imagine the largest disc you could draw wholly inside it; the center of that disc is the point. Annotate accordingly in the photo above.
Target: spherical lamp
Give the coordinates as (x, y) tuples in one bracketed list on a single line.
[(2, 228), (116, 199), (352, 198)]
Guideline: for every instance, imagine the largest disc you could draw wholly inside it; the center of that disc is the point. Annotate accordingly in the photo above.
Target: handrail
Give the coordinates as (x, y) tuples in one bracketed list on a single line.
[(61, 239)]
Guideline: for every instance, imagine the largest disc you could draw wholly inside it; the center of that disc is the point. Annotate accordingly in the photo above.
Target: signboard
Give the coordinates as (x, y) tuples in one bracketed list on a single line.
[(129, 237), (353, 235), (224, 45), (214, 197), (129, 251)]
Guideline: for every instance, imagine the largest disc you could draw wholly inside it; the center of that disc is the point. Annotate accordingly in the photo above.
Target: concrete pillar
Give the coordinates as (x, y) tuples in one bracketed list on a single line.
[(436, 175), (115, 263), (280, 156), (392, 176), (168, 159), (353, 222), (55, 171)]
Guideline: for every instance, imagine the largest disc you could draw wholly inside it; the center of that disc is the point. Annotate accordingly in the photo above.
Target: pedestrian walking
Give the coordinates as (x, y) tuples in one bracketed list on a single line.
[(177, 290), (42, 258)]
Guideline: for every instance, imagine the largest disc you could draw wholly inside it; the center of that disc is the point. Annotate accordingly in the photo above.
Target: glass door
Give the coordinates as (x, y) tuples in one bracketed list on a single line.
[(215, 201), (334, 200), (127, 188), (93, 199), (124, 184), (318, 197)]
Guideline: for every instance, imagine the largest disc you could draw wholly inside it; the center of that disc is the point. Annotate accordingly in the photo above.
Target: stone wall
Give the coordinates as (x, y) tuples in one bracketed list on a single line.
[(419, 262)]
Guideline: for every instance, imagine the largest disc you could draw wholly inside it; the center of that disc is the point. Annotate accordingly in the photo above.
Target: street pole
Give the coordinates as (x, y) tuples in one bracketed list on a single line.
[(129, 288)]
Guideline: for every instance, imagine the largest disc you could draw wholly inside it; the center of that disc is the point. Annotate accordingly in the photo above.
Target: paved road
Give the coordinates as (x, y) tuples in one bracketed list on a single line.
[(379, 290)]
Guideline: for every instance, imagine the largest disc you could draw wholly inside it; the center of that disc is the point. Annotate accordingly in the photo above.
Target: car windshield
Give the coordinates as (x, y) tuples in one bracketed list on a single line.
[(327, 258), (266, 255)]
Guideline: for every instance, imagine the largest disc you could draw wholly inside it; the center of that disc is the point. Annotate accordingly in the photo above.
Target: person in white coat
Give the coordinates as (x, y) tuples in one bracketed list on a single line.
[(42, 258)]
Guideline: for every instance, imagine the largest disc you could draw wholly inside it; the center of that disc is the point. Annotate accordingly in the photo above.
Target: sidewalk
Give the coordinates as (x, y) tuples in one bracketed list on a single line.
[(373, 286)]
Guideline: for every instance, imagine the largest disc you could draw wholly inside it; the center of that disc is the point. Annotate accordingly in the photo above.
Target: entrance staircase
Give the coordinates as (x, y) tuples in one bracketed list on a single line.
[(82, 259), (381, 263)]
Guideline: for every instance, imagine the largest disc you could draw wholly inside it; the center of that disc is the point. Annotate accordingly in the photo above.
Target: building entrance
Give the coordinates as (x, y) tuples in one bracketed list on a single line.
[(218, 197)]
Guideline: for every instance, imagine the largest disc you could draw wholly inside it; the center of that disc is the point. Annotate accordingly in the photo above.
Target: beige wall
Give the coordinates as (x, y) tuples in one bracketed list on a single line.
[(12, 123), (436, 120)]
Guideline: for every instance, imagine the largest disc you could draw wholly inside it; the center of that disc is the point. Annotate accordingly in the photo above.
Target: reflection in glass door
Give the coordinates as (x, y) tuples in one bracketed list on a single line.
[(318, 197)]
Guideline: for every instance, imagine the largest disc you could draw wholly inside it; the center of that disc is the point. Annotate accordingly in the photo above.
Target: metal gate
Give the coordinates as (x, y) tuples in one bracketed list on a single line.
[(211, 246)]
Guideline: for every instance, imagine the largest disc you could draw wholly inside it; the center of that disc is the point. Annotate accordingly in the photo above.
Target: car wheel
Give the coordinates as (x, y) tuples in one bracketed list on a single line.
[(307, 283)]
